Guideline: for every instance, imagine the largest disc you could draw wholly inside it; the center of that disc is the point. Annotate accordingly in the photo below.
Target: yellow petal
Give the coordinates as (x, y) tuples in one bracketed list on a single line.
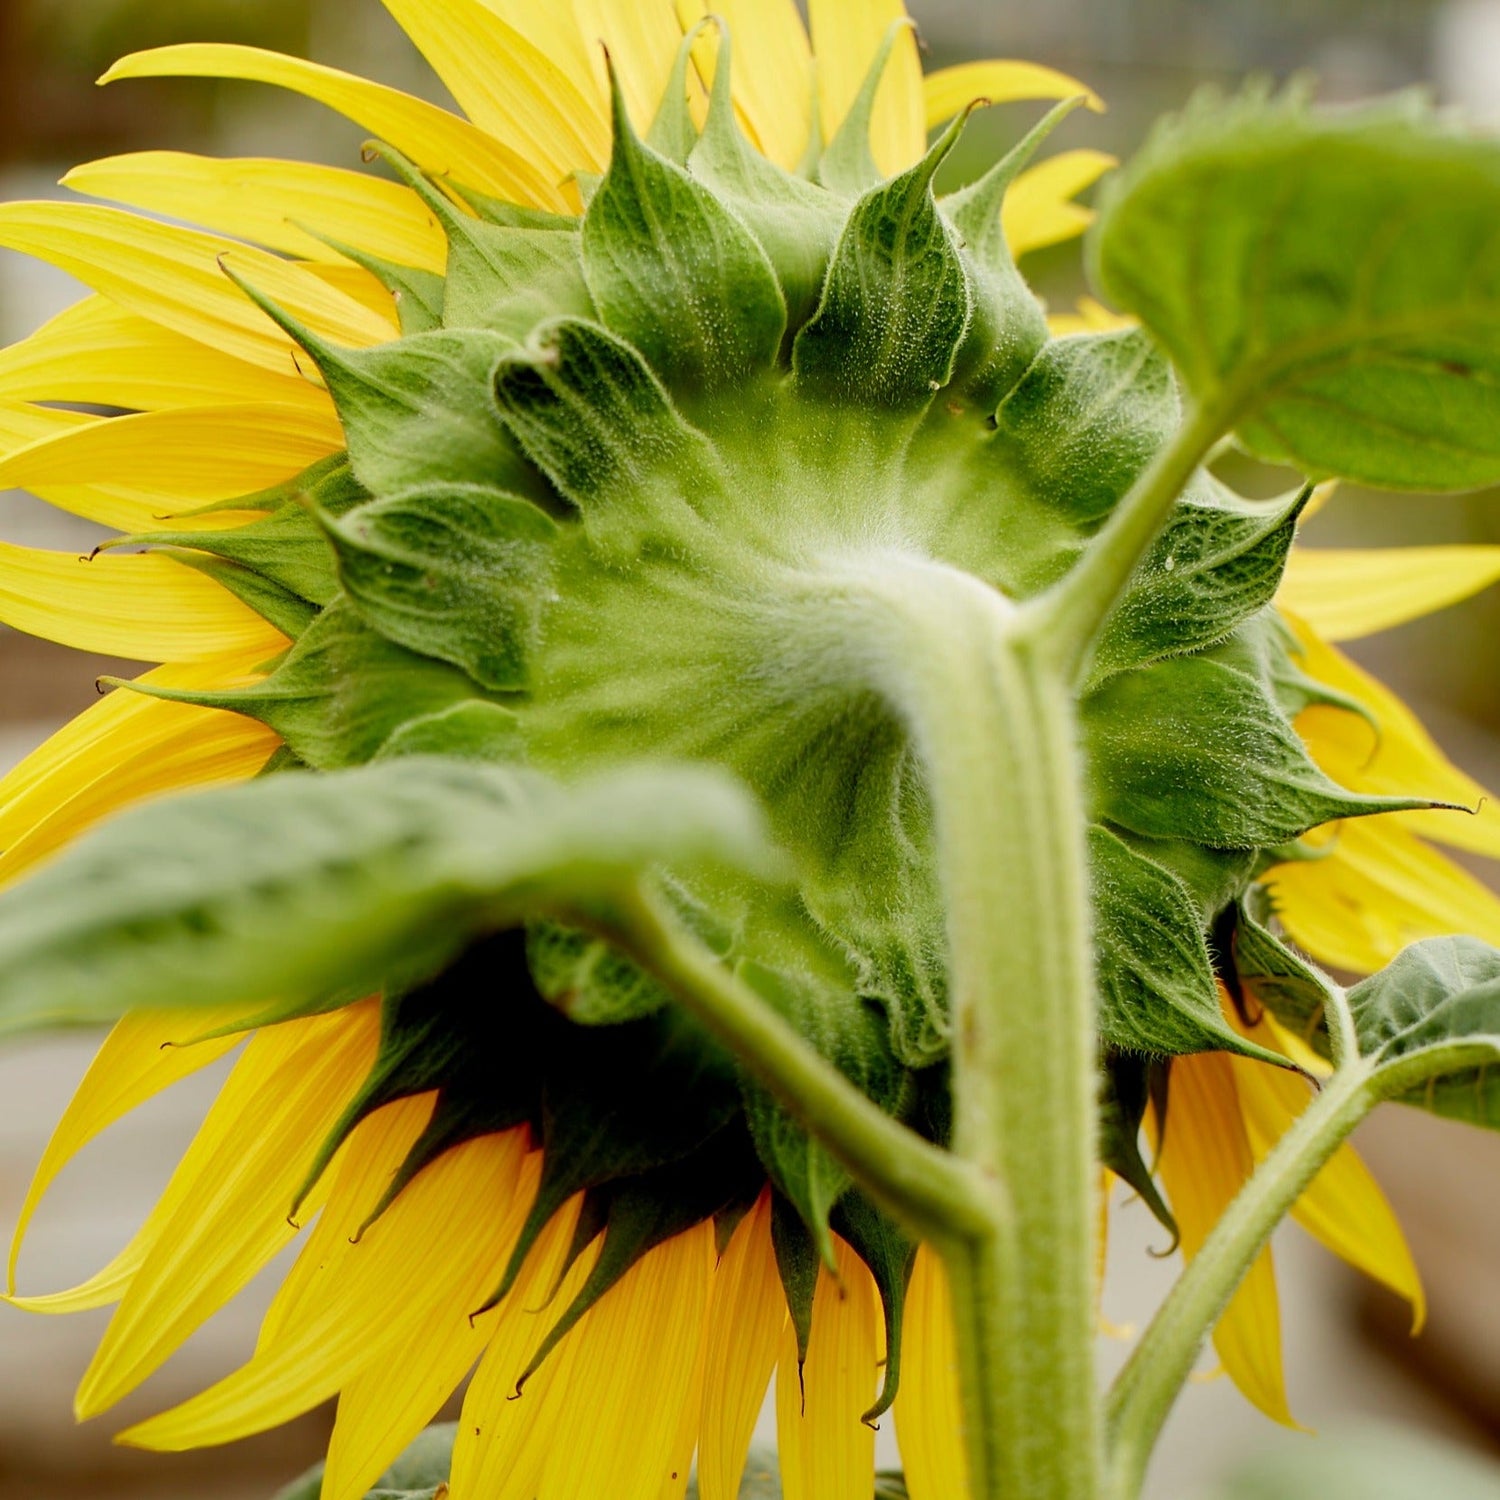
[(102, 1289), (358, 1177), (103, 355), (1344, 595), (746, 1320), (553, 29), (634, 1373), (507, 85), (274, 203), (642, 42), (142, 606), (388, 1403), (144, 1054), (134, 472), (1343, 1208), (176, 277), (215, 748), (89, 746), (1396, 757), (928, 1418), (503, 1440), (1089, 316), (827, 1452), (773, 74), (1379, 890), (224, 1213), (437, 141), (1204, 1161), (950, 91), (1039, 210), (375, 1300), (846, 36)]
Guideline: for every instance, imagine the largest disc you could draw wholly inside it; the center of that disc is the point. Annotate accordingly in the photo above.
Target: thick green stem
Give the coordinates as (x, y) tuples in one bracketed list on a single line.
[(930, 1188), (1148, 1386), (993, 724), (1072, 616)]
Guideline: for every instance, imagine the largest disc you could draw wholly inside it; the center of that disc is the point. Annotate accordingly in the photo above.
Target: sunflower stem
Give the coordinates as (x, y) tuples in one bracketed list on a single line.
[(1146, 1389), (993, 722), (1068, 621), (921, 1183)]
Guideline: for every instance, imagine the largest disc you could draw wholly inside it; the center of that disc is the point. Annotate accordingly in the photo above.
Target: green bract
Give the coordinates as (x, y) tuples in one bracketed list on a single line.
[(623, 494)]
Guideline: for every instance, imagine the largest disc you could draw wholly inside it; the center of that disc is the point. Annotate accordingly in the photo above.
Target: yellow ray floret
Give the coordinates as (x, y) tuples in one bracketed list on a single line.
[(214, 748), (87, 748), (102, 354), (358, 1179), (384, 1407), (1039, 210), (1376, 889), (374, 1299), (639, 1370), (176, 278), (274, 203), (224, 1214), (1390, 753), (772, 84), (846, 37), (1344, 595), (145, 607), (827, 1452), (746, 1321), (1343, 1207), (435, 139), (508, 86), (136, 472), (927, 1407), (502, 1444), (147, 1052), (1204, 1160), (950, 91), (642, 43)]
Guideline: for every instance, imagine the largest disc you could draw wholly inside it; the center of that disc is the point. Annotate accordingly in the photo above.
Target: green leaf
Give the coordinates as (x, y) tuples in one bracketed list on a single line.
[(507, 277), (1329, 282), (588, 980), (853, 1036), (890, 1256), (1192, 749), (418, 295), (1433, 1015), (797, 224), (673, 133), (592, 415), (634, 1098), (289, 613), (454, 571), (1085, 421), (897, 303), (339, 693), (416, 409), (1219, 561), (1009, 327), (1123, 1095), (287, 547), (675, 273), (472, 730), (1273, 976), (1157, 992), (848, 165), (298, 885)]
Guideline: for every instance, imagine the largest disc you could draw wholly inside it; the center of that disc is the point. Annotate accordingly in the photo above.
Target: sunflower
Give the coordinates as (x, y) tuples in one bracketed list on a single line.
[(240, 354)]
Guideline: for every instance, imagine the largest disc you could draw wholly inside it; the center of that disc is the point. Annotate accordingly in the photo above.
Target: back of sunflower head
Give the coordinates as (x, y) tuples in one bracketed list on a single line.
[(644, 638)]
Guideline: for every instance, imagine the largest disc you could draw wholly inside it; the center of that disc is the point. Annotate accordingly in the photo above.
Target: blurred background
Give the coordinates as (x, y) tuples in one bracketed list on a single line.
[(1348, 1353)]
